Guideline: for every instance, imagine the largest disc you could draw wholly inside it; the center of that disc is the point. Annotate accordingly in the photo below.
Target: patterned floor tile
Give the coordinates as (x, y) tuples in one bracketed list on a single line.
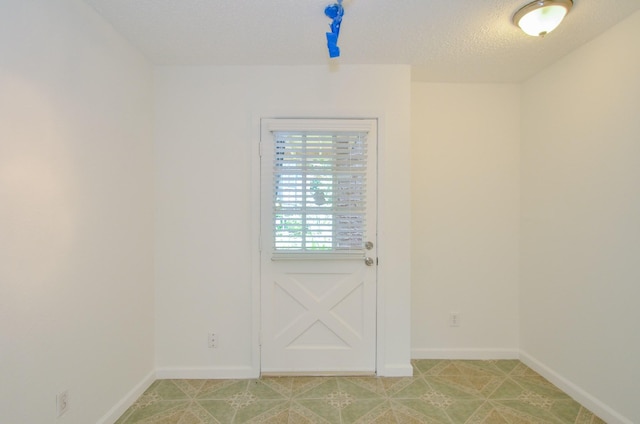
[(189, 387), (267, 390), (160, 411), (421, 411), (540, 386), (440, 392), (316, 411), (468, 368), (393, 385), (260, 411), (222, 411), (222, 389), (463, 387), (365, 411), (422, 366), (460, 387), (403, 417), (168, 417), (486, 414), (362, 388), (566, 410), (196, 414), (167, 390), (522, 370), (508, 389), (299, 415), (474, 378), (310, 388), (587, 417), (410, 389), (516, 411), (279, 418), (386, 416), (459, 411), (373, 385), (300, 384), (506, 366), (282, 385)]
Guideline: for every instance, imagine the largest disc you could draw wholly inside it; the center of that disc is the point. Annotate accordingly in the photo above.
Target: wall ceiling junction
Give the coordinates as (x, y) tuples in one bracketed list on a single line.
[(443, 40)]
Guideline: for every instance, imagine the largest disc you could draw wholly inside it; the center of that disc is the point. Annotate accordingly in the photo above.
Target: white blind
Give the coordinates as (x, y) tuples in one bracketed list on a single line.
[(319, 197)]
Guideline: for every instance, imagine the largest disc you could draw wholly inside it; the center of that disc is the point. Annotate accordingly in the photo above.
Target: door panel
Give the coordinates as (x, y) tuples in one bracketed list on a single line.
[(318, 312)]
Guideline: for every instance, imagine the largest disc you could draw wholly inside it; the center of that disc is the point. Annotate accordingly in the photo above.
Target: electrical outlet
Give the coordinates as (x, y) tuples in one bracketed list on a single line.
[(213, 340), (62, 403), (454, 319)]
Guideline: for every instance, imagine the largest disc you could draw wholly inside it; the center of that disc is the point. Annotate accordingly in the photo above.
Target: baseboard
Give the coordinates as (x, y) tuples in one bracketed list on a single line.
[(469, 354), (212, 373), (396, 370), (590, 402), (128, 400)]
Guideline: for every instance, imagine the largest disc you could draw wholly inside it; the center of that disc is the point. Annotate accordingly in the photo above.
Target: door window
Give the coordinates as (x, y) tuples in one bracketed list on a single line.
[(320, 188)]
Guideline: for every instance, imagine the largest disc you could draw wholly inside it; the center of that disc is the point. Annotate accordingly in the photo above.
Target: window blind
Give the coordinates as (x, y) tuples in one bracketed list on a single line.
[(319, 197)]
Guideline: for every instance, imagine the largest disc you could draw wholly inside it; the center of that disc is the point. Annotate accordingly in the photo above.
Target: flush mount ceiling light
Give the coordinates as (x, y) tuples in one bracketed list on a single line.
[(542, 16)]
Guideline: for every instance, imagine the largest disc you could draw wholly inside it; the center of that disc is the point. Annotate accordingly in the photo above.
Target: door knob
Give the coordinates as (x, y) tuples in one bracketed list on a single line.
[(368, 261)]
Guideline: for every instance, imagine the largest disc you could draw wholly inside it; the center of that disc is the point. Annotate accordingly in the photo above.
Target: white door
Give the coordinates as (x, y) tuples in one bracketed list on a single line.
[(318, 246)]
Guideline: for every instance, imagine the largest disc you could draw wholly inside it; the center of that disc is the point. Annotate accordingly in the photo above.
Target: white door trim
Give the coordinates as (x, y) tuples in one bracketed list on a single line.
[(306, 325), (382, 368)]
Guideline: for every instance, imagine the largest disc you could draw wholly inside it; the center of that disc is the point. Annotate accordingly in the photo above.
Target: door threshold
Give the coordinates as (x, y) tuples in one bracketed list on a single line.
[(318, 374)]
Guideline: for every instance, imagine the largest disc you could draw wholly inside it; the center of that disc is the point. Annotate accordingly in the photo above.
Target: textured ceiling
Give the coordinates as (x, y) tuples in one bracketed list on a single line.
[(443, 40)]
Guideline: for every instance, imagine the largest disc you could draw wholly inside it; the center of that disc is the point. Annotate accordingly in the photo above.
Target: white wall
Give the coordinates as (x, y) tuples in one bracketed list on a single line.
[(205, 140), (580, 251), (76, 214), (465, 213), (76, 204)]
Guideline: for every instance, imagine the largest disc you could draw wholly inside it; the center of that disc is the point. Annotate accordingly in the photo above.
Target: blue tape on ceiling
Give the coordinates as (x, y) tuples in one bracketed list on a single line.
[(335, 12)]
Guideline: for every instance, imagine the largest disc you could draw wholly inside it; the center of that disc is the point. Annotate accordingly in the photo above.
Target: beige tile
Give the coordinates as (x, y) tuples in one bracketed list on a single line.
[(222, 389), (317, 410), (395, 384), (161, 411), (440, 392), (415, 388), (196, 414), (461, 387), (260, 411), (422, 366), (364, 411), (385, 416), (422, 411), (282, 385), (459, 411), (310, 388), (362, 388), (374, 385)]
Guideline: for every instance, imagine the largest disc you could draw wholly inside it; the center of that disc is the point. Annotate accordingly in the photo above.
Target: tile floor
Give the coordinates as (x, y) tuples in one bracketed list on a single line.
[(441, 391)]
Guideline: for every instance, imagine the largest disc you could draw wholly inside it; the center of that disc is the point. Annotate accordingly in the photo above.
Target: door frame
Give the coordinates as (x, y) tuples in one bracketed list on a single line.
[(256, 234)]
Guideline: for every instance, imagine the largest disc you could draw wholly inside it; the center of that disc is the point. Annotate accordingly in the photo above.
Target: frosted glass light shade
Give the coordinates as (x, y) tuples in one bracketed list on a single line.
[(541, 17)]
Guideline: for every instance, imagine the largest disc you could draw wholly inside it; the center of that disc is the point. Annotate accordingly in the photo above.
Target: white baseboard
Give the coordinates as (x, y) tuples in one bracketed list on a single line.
[(128, 400), (584, 398), (207, 373), (469, 354), (396, 370)]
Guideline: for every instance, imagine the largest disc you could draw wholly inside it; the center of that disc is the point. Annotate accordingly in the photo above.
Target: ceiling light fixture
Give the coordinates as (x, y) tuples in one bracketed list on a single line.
[(542, 16)]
